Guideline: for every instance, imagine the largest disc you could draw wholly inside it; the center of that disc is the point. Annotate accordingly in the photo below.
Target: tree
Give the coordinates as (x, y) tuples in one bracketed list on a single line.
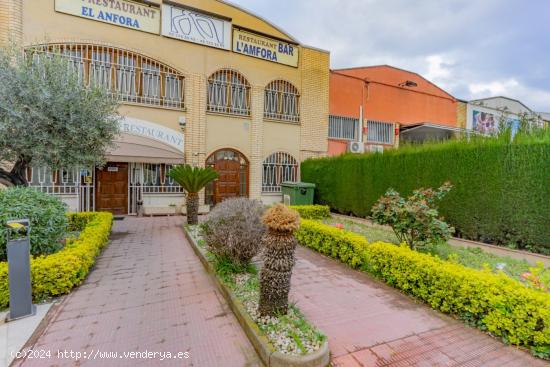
[(193, 180), (48, 116), (279, 246)]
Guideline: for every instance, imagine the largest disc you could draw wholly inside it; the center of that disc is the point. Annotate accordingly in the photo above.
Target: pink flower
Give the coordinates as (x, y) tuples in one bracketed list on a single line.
[(526, 275), (339, 225)]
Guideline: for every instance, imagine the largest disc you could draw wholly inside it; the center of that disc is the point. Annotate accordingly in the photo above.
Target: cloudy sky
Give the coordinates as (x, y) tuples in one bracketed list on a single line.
[(471, 48)]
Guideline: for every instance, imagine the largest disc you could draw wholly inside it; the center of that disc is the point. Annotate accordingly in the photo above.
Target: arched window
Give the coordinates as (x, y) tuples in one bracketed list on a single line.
[(228, 92), (132, 77), (282, 101), (278, 168)]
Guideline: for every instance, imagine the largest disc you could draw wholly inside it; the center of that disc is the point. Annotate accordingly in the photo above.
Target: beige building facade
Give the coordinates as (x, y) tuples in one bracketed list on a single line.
[(200, 81)]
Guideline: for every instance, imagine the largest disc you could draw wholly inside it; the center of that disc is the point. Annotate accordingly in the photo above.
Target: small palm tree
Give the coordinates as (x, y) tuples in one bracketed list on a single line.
[(193, 180), (279, 245)]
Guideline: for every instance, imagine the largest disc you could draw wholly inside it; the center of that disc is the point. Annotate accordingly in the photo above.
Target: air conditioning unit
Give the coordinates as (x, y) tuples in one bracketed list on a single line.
[(375, 148), (356, 147)]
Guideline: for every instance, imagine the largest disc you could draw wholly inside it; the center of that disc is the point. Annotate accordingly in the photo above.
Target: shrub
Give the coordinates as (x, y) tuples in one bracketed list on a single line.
[(234, 230), (500, 192), (45, 212), (57, 274), (416, 220), (492, 302), (312, 211)]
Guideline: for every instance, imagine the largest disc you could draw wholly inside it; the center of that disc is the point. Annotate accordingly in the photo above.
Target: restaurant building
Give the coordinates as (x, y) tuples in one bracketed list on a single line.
[(202, 82)]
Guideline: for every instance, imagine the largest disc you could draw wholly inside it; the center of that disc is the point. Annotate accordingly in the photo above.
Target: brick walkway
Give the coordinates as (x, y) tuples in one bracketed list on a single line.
[(148, 292), (371, 324)]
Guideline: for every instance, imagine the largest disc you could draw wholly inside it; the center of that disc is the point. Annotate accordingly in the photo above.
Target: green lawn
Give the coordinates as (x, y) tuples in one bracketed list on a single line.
[(470, 257)]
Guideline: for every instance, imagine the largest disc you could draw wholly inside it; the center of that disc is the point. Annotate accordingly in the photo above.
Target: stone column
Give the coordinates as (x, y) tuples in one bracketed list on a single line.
[(11, 22)]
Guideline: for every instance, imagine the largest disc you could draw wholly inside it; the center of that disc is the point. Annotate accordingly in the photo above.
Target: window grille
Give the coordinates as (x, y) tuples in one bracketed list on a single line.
[(64, 181), (282, 101), (341, 127), (278, 168), (130, 76), (153, 178), (228, 92), (380, 132)]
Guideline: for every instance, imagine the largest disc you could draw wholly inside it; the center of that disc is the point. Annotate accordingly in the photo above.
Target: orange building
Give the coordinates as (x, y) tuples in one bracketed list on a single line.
[(391, 103)]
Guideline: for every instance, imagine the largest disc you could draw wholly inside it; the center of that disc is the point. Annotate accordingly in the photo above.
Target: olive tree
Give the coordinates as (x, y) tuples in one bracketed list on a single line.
[(49, 116)]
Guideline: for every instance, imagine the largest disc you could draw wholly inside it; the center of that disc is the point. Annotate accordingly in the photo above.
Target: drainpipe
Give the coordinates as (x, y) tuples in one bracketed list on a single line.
[(361, 123)]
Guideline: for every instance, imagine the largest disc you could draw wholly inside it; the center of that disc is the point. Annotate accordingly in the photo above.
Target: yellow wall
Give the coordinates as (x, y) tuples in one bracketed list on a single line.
[(461, 111), (204, 132)]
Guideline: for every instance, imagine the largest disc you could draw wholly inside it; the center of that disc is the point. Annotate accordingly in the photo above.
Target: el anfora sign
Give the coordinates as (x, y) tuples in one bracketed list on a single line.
[(121, 13)]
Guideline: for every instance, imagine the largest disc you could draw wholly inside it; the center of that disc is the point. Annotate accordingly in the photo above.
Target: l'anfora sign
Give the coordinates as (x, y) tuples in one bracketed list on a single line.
[(150, 130), (121, 13)]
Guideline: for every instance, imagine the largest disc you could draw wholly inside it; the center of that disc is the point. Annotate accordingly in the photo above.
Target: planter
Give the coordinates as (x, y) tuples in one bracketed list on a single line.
[(265, 350), (159, 210)]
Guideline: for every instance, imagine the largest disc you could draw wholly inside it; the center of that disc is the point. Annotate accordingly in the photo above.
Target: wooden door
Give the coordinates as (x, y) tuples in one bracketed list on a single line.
[(228, 184), (112, 188)]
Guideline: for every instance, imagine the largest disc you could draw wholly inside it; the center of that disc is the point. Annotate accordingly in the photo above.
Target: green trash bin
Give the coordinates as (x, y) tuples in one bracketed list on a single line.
[(298, 193)]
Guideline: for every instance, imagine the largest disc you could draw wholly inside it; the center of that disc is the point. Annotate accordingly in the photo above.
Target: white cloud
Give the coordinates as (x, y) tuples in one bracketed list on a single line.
[(493, 88), (534, 97)]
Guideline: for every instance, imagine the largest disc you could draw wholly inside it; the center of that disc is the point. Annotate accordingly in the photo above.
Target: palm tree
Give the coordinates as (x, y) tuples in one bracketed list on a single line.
[(279, 245), (193, 180)]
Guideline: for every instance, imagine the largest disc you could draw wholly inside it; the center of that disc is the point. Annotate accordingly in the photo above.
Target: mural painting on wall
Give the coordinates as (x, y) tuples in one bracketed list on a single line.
[(489, 124)]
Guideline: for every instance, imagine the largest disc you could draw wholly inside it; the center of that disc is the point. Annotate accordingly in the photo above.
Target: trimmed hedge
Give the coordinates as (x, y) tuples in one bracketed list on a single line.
[(492, 302), (58, 273), (312, 211), (500, 195)]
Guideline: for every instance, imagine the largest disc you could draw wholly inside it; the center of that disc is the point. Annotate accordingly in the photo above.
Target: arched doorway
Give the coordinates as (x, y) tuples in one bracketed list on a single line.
[(232, 167)]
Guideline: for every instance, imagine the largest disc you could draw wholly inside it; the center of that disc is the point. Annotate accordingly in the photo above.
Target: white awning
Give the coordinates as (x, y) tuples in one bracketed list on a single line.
[(138, 149)]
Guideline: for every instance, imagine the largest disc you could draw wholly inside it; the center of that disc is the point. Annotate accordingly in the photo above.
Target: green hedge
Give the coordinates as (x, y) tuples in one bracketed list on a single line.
[(45, 212), (58, 273), (312, 211), (492, 302), (501, 191)]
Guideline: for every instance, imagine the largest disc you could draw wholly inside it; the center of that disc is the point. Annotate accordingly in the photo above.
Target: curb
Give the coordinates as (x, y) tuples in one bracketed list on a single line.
[(269, 356)]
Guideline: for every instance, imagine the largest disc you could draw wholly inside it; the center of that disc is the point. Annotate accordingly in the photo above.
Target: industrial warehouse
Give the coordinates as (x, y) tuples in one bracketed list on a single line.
[(200, 82)]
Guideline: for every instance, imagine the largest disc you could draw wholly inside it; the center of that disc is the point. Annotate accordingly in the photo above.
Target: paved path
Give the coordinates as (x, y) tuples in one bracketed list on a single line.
[(371, 324), (148, 292)]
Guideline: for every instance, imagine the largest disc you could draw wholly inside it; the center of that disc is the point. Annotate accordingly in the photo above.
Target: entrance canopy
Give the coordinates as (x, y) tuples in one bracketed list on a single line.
[(425, 132), (143, 141)]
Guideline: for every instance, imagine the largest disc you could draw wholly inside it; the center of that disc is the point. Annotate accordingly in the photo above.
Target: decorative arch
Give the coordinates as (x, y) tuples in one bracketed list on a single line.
[(233, 169), (228, 93), (131, 76), (282, 101), (277, 168)]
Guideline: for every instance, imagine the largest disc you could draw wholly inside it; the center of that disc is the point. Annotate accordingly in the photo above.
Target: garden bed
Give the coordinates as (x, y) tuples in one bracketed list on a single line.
[(493, 302), (286, 340), (58, 273), (471, 257)]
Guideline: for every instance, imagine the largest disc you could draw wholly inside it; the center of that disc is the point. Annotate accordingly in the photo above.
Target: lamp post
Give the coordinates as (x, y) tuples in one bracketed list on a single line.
[(19, 269)]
